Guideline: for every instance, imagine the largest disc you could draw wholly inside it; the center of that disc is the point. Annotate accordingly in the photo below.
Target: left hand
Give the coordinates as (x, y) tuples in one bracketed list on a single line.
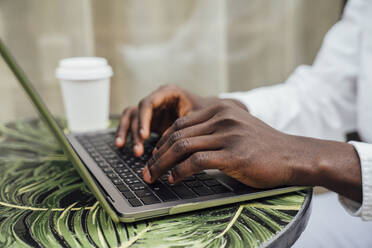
[(228, 138)]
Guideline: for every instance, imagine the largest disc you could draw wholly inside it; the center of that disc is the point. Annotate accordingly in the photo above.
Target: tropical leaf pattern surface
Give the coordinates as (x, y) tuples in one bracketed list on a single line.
[(44, 203)]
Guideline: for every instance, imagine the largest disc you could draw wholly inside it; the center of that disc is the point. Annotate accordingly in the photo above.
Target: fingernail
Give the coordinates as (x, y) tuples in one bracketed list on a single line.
[(146, 174), (142, 133), (137, 149), (171, 178), (119, 141), (154, 151)]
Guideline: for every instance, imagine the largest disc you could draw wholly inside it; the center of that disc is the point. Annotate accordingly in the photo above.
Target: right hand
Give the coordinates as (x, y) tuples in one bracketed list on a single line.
[(156, 113)]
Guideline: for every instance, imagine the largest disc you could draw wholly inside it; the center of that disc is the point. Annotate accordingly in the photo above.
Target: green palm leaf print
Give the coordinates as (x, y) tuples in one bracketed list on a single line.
[(44, 203)]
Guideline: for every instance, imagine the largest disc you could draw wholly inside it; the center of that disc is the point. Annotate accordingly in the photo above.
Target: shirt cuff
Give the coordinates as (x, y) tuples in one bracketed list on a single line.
[(363, 210)]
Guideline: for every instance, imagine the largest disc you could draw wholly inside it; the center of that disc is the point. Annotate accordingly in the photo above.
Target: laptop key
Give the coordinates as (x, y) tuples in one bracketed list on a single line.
[(128, 194), (183, 192), (122, 187), (87, 146), (101, 164), (123, 155), (203, 191), (133, 166), (113, 161), (91, 150), (211, 182), (139, 164), (167, 183), (96, 157), (219, 189), (135, 202), (145, 157), (112, 175), (140, 175), (110, 156), (103, 149), (118, 165), (128, 161), (143, 193), (193, 184), (163, 192), (98, 160), (121, 170), (130, 181), (127, 175), (164, 177), (137, 186), (203, 177), (199, 173), (189, 179), (148, 200), (117, 181)]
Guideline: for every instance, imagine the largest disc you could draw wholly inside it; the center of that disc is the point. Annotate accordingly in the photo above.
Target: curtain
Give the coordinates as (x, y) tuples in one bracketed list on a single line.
[(206, 46)]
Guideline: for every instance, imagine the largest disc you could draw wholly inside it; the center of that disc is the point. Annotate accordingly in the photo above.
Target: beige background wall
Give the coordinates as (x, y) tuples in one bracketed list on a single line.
[(207, 46), (268, 39)]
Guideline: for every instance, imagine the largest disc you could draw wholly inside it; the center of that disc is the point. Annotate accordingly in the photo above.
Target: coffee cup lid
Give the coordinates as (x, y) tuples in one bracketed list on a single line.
[(83, 68)]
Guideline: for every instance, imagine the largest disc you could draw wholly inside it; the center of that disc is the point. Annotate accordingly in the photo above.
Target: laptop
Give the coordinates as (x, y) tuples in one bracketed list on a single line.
[(115, 175)]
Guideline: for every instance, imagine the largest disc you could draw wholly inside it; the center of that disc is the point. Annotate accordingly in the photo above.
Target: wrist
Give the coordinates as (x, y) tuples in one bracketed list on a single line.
[(303, 162), (340, 170), (330, 164)]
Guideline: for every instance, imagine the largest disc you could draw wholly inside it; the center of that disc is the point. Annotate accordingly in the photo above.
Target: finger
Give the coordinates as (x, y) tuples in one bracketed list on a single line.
[(121, 133), (145, 111), (201, 129), (195, 163), (186, 121), (137, 141), (144, 117), (178, 152)]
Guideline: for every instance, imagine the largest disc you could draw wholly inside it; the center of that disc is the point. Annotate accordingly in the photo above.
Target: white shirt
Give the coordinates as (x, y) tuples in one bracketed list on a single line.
[(331, 97)]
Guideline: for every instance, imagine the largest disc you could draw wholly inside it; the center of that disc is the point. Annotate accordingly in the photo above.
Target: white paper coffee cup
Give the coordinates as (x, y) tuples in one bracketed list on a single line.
[(85, 84)]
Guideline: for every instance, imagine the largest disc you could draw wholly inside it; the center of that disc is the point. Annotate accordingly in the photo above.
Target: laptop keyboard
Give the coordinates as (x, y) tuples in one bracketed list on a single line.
[(125, 171)]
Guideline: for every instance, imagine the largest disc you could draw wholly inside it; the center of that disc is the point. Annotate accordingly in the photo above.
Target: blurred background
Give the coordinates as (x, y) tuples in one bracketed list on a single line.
[(206, 46)]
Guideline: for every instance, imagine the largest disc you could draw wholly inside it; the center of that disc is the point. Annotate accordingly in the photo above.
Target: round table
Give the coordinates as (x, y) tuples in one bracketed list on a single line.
[(44, 203)]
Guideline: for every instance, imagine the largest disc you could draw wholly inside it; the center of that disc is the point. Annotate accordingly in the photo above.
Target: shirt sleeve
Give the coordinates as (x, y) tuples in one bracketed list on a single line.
[(318, 100), (363, 210)]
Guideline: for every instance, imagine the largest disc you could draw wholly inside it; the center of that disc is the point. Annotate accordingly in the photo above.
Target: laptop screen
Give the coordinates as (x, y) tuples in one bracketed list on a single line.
[(31, 93)]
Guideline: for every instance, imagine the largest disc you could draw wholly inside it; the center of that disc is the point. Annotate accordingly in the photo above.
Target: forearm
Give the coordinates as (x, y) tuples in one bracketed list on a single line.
[(333, 165)]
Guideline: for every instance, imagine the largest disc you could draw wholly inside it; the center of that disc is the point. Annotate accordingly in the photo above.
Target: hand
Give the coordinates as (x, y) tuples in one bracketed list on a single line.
[(228, 138), (157, 112)]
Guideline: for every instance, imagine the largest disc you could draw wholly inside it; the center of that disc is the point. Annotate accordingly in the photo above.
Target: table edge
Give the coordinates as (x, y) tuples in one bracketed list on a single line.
[(295, 228)]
